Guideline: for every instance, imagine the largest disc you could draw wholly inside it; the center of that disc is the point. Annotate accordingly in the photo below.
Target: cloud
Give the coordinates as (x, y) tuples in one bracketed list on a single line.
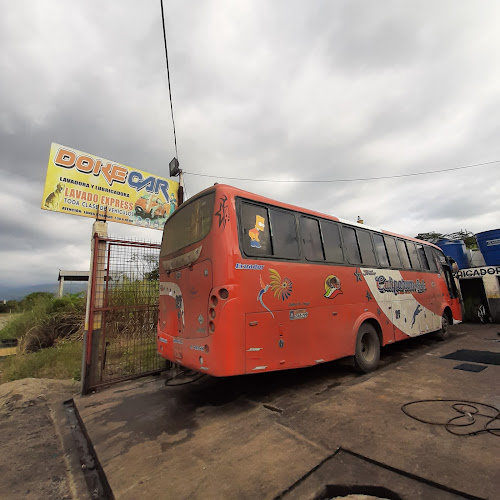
[(281, 90)]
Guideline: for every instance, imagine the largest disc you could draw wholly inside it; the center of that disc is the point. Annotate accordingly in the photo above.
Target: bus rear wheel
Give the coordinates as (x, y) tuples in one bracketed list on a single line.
[(444, 333), (367, 353)]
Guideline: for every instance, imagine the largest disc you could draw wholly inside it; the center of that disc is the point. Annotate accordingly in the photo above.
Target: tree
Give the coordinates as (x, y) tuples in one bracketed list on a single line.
[(467, 236), (432, 237)]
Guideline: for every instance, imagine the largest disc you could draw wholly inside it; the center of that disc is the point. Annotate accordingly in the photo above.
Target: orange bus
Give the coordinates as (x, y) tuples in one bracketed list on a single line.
[(249, 284)]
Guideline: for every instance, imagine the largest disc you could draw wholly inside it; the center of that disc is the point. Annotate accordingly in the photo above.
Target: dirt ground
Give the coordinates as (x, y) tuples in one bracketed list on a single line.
[(33, 464)]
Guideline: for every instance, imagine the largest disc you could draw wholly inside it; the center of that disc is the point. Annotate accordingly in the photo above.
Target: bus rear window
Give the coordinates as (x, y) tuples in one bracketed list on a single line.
[(190, 224)]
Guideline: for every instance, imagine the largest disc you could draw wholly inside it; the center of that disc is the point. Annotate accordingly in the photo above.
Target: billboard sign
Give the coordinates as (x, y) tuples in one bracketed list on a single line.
[(90, 186)]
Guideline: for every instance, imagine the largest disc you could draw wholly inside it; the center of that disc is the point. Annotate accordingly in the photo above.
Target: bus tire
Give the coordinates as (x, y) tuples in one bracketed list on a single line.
[(444, 333), (367, 353)]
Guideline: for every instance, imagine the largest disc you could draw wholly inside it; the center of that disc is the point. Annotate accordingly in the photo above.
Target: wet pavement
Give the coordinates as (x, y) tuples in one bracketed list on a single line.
[(293, 433)]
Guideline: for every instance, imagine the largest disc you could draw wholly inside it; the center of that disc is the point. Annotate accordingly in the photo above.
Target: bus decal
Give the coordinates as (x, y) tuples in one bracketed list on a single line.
[(282, 288), (357, 273), (410, 316), (254, 232), (258, 267), (262, 291), (399, 286), (332, 287), (173, 290), (223, 212), (417, 311)]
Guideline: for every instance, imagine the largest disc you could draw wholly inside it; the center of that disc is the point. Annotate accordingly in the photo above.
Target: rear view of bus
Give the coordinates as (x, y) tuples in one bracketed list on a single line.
[(191, 302)]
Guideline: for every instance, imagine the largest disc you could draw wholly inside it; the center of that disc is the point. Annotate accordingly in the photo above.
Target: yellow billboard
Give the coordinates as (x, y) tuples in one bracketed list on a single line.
[(90, 186)]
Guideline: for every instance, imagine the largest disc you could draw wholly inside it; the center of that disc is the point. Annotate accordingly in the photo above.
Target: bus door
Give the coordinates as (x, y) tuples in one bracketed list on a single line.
[(456, 306), (273, 341)]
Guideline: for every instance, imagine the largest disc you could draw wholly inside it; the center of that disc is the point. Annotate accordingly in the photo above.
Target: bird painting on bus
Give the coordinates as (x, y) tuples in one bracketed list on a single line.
[(281, 288)]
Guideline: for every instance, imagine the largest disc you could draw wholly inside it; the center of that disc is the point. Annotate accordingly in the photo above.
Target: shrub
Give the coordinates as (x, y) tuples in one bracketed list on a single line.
[(48, 319)]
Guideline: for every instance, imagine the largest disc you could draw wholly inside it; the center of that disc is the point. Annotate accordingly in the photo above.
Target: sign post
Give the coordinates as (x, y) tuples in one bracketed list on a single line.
[(95, 299)]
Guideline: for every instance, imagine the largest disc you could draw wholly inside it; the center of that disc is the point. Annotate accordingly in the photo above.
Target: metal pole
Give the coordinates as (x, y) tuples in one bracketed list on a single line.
[(92, 334)]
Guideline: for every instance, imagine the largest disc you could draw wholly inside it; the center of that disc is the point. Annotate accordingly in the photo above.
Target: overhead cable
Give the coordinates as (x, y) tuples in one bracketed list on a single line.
[(344, 180), (168, 77)]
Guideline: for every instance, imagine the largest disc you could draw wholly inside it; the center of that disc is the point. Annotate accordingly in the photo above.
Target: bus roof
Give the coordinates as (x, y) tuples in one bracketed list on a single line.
[(262, 199)]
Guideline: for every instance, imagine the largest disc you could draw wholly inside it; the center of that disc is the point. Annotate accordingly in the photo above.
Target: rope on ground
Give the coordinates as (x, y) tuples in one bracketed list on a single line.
[(467, 413)]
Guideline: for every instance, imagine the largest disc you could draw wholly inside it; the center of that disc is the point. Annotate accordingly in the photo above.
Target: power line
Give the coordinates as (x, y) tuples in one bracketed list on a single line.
[(345, 180), (168, 77)]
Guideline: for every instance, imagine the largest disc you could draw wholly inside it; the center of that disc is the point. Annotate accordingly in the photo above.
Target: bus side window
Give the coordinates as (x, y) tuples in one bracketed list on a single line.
[(256, 235), (331, 241), (351, 245), (430, 258), (390, 244), (311, 239), (383, 258), (366, 247), (284, 234), (439, 258), (403, 253), (423, 258), (412, 252)]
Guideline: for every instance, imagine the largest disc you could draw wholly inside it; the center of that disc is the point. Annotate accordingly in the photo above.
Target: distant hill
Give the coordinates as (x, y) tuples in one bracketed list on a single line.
[(17, 293)]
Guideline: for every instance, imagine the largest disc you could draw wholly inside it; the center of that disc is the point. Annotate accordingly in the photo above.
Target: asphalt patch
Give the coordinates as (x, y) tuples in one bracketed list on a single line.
[(467, 367), (485, 357)]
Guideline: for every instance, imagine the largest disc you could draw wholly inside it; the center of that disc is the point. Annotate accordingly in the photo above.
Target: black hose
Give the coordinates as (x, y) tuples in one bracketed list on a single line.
[(187, 373), (466, 410)]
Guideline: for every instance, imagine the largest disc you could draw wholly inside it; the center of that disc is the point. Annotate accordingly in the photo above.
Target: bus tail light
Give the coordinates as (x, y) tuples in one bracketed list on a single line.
[(212, 313), (214, 300), (211, 326), (223, 293)]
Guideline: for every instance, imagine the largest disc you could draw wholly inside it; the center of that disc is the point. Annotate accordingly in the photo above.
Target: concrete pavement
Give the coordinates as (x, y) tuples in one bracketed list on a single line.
[(293, 433)]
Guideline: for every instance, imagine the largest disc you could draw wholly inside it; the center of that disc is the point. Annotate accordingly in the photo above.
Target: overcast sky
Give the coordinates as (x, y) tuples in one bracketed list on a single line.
[(261, 89)]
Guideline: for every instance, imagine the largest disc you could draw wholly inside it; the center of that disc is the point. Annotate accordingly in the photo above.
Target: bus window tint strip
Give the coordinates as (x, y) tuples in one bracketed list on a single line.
[(332, 242), (311, 239), (423, 258), (412, 252), (284, 234), (390, 244), (403, 253), (383, 258), (351, 245), (366, 247), (430, 258)]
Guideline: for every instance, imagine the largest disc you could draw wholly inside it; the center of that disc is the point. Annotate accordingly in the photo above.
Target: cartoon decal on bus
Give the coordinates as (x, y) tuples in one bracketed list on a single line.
[(332, 287), (254, 232)]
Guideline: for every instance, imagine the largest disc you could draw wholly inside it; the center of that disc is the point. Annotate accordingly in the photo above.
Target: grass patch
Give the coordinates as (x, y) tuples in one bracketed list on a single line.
[(47, 319), (62, 361)]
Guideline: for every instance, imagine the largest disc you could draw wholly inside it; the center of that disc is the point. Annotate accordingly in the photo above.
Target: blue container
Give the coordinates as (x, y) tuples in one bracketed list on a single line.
[(489, 244), (456, 250)]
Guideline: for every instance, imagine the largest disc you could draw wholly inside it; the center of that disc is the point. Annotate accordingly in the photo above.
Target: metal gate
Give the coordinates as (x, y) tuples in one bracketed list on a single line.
[(122, 313)]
